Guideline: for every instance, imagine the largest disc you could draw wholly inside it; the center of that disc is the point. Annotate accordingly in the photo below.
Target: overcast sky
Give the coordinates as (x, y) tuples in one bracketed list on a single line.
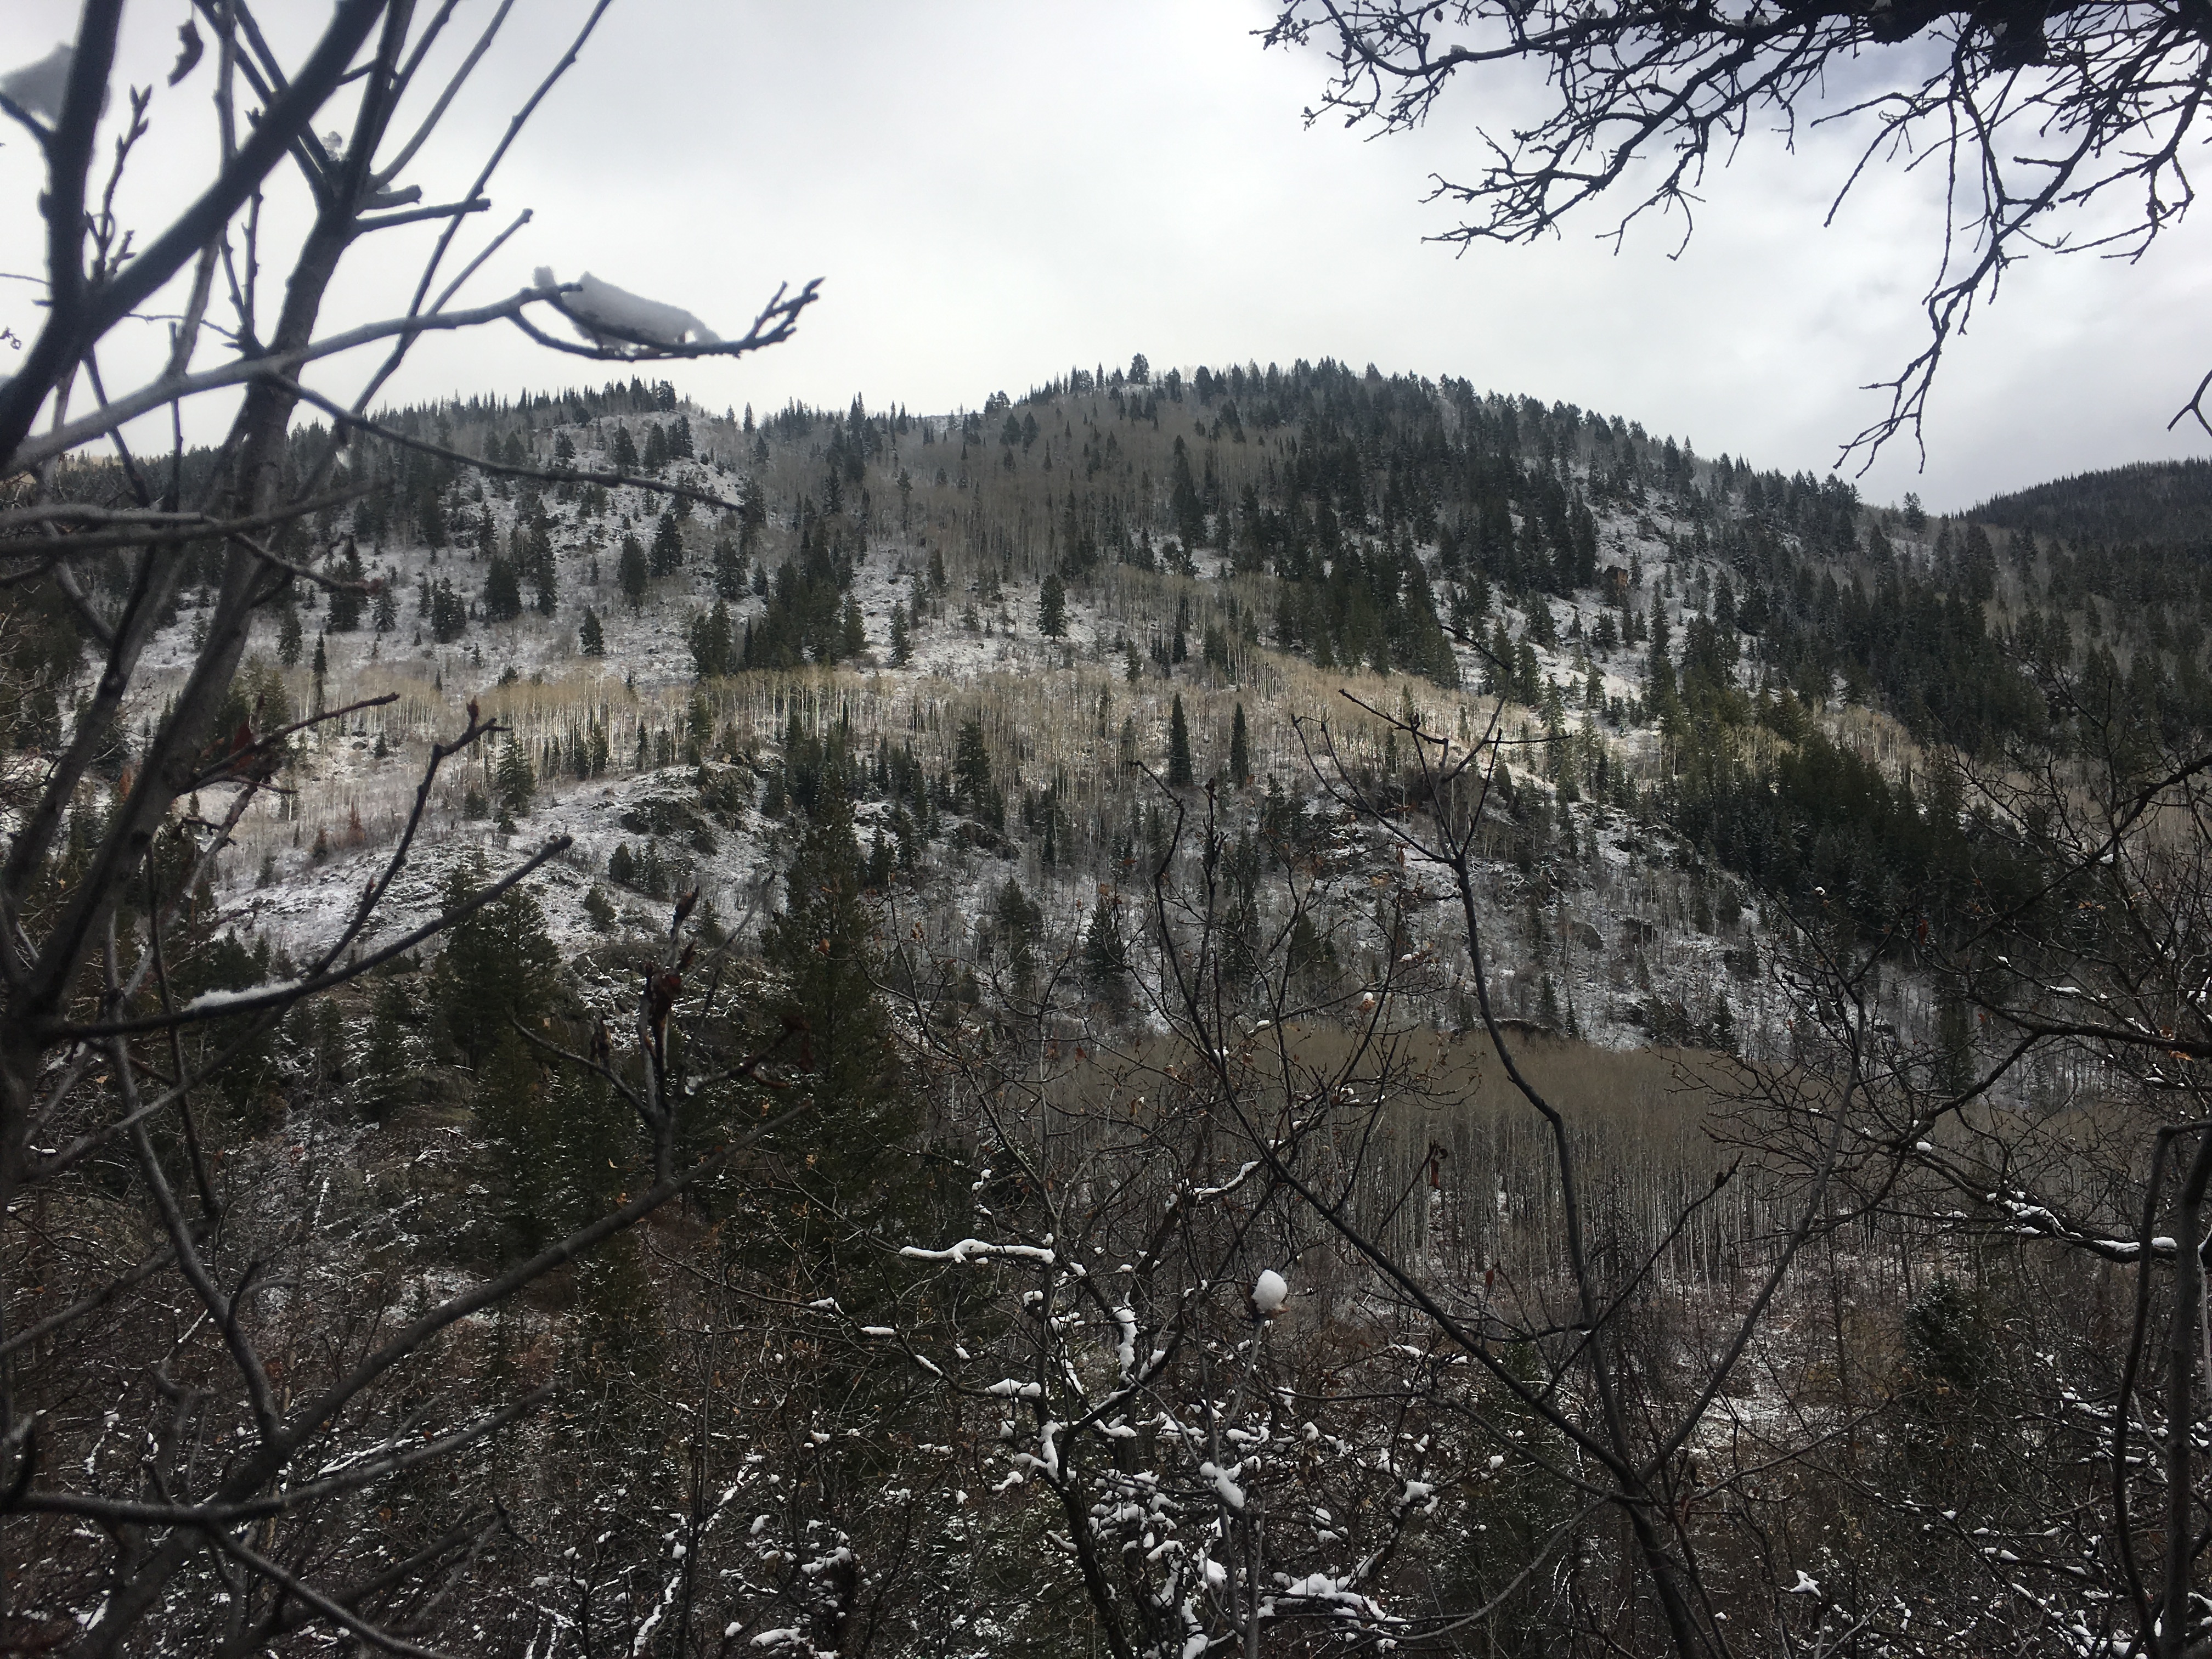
[(993, 192)]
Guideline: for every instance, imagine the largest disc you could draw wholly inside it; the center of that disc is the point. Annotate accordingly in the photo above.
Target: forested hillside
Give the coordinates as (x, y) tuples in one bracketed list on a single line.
[(1386, 1016)]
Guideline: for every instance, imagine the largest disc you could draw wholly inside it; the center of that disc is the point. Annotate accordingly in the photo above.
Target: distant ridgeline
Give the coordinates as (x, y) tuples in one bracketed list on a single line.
[(1358, 519)]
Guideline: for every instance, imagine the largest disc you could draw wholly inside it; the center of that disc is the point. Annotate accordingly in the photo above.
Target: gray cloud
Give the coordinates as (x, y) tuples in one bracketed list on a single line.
[(995, 192)]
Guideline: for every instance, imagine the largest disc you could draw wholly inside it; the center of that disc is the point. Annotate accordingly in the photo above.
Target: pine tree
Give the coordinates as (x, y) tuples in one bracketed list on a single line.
[(498, 963), (632, 572), (1183, 501), (667, 546), (1106, 957), (729, 569), (656, 448), (972, 775), (387, 613), (714, 643), (515, 782), (288, 637), (818, 949), (1240, 751), (625, 451), (346, 602), (1181, 773), (591, 638), (901, 645), (1052, 607), (503, 594)]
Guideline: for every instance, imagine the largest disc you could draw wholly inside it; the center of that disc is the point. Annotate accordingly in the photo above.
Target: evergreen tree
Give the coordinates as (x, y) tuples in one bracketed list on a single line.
[(625, 451), (667, 546), (1181, 773), (1052, 607), (632, 572), (514, 781), (289, 639), (856, 1176), (714, 643), (346, 602), (1240, 751), (901, 645), (1106, 957), (656, 448), (386, 613), (591, 638), (503, 594), (729, 569), (498, 964), (1183, 502), (972, 775)]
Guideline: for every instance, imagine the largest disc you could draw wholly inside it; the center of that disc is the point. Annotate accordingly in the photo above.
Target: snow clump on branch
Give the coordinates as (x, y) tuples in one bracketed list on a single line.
[(593, 306)]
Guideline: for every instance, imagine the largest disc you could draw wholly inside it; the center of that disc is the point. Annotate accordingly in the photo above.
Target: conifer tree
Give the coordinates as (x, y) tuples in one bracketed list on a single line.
[(346, 602), (656, 448), (1240, 751), (902, 645), (729, 569), (713, 642), (1181, 773), (515, 782), (591, 638), (667, 546), (819, 948), (632, 572), (625, 451), (1052, 607), (498, 964), (503, 594)]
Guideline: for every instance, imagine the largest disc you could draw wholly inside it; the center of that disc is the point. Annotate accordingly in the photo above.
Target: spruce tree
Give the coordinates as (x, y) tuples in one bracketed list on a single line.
[(818, 949), (1240, 751), (591, 638), (1052, 607), (498, 963), (729, 570), (503, 594), (625, 451), (1181, 773), (632, 572), (667, 546), (901, 637)]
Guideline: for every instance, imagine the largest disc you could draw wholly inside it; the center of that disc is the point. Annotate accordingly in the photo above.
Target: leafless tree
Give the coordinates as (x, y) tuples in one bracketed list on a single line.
[(2053, 127), (231, 1434)]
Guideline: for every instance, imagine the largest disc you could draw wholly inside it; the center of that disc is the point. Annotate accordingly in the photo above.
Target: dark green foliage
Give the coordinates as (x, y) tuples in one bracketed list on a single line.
[(806, 618), (449, 613), (667, 556), (591, 638), (857, 1174), (1240, 751), (346, 602), (497, 966), (503, 594), (730, 569), (1052, 607), (631, 571), (971, 776), (713, 642), (1182, 775), (514, 781)]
